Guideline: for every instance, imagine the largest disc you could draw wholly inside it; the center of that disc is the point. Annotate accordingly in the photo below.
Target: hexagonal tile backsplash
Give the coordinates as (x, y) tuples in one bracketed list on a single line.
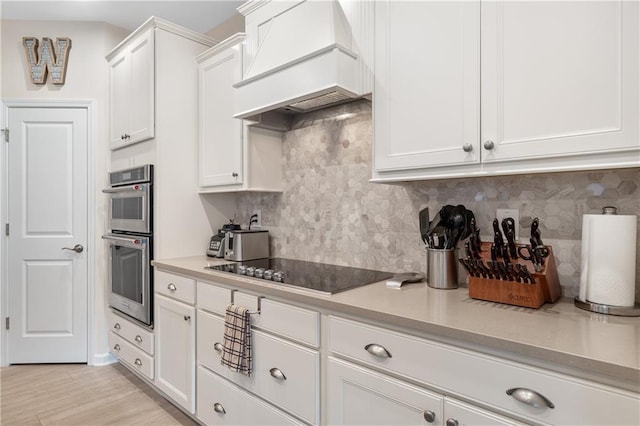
[(330, 212)]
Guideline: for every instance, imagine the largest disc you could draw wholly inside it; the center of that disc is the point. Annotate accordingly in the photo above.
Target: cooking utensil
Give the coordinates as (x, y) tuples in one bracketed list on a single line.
[(423, 218), (457, 224)]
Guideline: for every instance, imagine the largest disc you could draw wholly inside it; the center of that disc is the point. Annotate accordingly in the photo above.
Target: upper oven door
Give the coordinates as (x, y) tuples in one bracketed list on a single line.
[(130, 208)]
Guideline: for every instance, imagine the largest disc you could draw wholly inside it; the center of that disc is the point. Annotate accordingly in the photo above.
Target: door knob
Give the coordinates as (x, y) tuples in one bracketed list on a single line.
[(77, 248)]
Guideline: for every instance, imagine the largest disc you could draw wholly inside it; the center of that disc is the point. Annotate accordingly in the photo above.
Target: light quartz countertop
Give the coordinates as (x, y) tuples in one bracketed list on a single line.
[(557, 336)]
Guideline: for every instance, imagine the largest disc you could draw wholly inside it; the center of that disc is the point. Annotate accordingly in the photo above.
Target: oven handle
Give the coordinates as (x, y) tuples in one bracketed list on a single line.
[(138, 187), (129, 241)]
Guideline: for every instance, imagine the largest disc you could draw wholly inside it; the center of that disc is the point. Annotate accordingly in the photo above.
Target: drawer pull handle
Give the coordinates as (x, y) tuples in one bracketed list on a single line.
[(451, 422), (138, 362), (529, 397), (138, 339), (217, 346), (116, 326), (116, 347), (172, 287), (218, 408), (429, 416), (377, 350), (277, 373)]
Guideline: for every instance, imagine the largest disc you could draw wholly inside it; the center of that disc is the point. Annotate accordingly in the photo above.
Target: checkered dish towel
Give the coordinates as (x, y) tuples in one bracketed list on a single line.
[(237, 352)]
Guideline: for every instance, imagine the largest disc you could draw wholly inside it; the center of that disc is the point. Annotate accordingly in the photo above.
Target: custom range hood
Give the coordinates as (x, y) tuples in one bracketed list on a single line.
[(303, 55)]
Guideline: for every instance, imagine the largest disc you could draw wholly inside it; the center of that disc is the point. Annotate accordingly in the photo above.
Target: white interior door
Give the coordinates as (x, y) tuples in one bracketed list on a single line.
[(47, 212)]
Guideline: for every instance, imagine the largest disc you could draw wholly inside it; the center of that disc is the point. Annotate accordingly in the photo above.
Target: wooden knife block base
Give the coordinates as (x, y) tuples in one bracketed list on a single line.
[(545, 289)]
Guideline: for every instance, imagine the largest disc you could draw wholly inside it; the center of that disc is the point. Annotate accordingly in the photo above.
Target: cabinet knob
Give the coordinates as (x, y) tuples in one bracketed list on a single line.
[(377, 350), (138, 338), (429, 416), (217, 346), (451, 422), (116, 326), (138, 362), (187, 318), (116, 347), (529, 397), (172, 287), (277, 373), (467, 147), (234, 174), (218, 408), (489, 145), (122, 137)]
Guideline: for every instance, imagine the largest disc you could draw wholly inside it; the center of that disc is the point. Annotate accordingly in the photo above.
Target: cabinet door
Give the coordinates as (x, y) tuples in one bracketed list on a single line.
[(559, 78), (175, 350), (142, 90), (358, 396), (427, 87), (221, 135), (132, 86), (120, 72), (460, 414)]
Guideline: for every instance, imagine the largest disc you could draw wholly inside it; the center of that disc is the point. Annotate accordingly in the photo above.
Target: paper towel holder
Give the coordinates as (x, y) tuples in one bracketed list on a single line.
[(623, 311)]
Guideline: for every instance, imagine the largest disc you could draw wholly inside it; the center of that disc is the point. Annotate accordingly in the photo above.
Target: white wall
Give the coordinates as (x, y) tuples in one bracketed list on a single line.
[(87, 79)]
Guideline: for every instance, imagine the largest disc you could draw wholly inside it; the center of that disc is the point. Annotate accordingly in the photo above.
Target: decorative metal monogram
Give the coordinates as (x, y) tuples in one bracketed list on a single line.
[(55, 65)]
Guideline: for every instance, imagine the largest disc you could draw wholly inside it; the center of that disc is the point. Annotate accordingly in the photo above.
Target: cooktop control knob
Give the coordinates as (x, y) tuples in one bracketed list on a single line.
[(259, 272), (278, 276), (242, 269), (251, 270), (268, 274)]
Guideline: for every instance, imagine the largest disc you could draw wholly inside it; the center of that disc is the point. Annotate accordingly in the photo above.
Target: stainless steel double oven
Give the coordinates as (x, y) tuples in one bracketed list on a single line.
[(131, 242)]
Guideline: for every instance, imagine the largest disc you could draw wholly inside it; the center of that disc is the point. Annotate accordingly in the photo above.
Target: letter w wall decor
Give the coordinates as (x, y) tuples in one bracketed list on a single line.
[(55, 65)]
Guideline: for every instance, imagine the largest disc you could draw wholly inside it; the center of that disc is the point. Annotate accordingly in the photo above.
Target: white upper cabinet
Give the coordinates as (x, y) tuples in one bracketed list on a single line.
[(559, 78), (555, 88), (220, 134), (233, 155), (132, 92), (426, 93)]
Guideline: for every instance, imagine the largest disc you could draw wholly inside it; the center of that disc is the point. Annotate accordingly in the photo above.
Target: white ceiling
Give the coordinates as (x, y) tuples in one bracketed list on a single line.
[(199, 15)]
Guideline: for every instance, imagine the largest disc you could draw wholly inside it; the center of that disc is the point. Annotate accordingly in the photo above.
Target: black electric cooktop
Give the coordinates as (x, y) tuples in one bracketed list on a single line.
[(320, 277)]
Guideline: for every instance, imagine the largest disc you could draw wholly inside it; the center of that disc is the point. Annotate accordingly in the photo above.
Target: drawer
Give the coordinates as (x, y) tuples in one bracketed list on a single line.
[(219, 402), (131, 355), (484, 378), (297, 393), (248, 301), (133, 333), (299, 324), (212, 297), (176, 286)]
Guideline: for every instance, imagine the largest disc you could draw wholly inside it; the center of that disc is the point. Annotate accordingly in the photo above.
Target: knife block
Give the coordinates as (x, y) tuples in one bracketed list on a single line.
[(545, 289)]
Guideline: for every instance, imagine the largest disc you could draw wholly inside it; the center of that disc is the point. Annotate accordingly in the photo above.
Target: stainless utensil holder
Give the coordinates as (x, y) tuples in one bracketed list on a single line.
[(442, 268)]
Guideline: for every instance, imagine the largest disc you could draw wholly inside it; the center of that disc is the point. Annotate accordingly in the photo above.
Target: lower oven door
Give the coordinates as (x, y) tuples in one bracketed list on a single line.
[(130, 275)]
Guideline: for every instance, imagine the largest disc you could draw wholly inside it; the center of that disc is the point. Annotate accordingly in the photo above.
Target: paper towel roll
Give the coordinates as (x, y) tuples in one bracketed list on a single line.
[(608, 259)]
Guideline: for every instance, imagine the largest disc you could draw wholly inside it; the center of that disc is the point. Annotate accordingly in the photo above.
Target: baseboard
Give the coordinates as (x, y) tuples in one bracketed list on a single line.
[(103, 359)]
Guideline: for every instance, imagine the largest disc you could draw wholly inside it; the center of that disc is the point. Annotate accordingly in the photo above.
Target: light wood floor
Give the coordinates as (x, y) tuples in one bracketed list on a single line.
[(78, 395)]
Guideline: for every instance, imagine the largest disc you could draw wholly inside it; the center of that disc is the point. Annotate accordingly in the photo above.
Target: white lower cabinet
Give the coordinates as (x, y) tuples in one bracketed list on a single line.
[(132, 344), (358, 396), (175, 350), (540, 396), (284, 387), (220, 402)]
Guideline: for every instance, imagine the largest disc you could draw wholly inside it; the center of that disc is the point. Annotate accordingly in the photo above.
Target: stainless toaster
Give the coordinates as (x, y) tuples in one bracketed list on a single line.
[(246, 244)]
